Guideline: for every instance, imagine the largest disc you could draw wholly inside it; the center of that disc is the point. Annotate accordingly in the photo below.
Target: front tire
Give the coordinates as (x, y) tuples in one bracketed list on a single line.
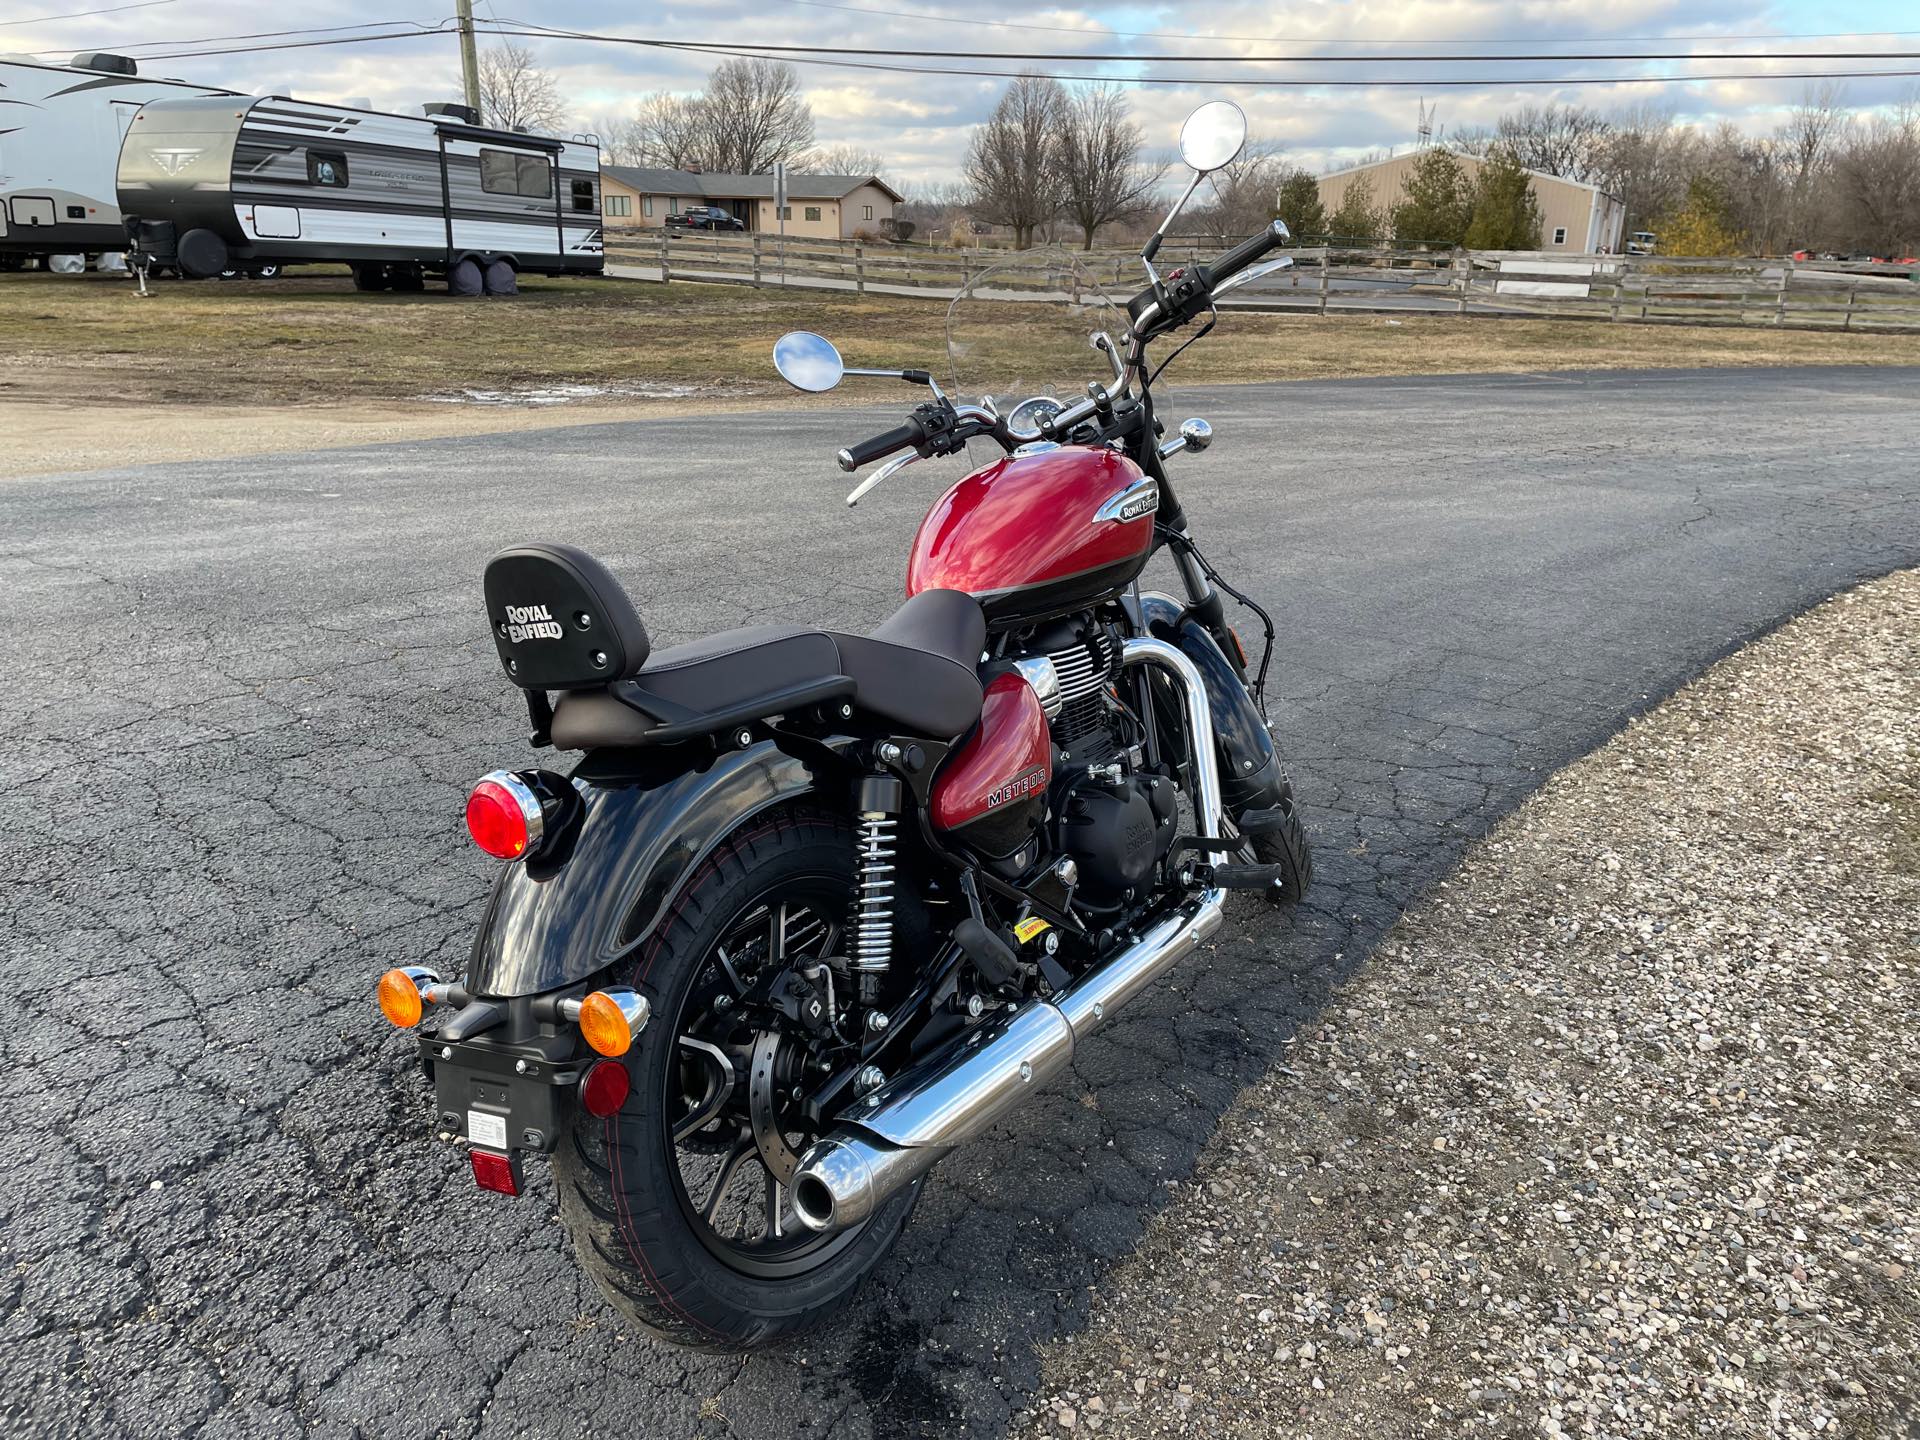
[(646, 1218), (1289, 848)]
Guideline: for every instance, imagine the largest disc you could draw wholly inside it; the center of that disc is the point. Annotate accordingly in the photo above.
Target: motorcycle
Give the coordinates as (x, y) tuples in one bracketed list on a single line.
[(814, 908)]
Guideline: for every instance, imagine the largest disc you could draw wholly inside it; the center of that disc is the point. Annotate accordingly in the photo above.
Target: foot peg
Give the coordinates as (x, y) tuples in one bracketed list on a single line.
[(1249, 877), (1264, 822)]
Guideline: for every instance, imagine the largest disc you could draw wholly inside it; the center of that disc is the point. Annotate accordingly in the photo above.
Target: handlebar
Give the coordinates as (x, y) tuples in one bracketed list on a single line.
[(1188, 292), (1247, 251), (910, 435)]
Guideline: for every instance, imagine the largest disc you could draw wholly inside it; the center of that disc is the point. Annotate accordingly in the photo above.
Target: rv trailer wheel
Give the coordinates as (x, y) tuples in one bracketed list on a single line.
[(464, 279)]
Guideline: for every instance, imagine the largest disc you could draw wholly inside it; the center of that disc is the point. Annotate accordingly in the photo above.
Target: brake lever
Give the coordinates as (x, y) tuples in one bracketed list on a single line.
[(899, 462), (1251, 274)]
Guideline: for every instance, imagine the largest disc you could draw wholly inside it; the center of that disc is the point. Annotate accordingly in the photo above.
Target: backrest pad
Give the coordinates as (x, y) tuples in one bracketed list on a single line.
[(560, 620)]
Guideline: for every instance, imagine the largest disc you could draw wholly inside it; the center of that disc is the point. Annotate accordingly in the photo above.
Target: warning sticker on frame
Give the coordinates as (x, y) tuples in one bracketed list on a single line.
[(485, 1128)]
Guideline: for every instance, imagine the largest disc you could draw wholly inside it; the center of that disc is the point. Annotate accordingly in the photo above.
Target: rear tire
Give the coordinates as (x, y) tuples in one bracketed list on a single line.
[(623, 1193)]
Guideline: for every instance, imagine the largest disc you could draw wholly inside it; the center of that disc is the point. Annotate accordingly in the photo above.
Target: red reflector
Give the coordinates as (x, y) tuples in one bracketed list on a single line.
[(496, 821), (605, 1089), (493, 1171)]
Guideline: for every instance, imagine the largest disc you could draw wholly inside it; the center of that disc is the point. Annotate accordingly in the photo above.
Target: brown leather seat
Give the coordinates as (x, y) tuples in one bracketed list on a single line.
[(918, 669)]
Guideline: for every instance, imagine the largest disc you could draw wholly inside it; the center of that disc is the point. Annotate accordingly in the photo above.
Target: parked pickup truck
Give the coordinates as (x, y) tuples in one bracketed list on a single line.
[(706, 217)]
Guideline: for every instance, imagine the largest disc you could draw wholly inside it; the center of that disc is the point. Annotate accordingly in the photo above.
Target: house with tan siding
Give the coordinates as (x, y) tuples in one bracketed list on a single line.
[(1575, 217), (819, 207)]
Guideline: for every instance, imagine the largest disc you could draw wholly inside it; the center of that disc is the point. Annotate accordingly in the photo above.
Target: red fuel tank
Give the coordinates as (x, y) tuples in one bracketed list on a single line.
[(992, 792), (1038, 534)]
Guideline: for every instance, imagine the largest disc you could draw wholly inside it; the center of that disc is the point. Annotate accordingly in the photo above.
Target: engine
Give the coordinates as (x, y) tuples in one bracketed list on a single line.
[(1114, 818)]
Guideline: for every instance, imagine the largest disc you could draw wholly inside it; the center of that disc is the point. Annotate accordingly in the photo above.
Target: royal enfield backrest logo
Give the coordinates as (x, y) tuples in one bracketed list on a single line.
[(531, 622), (1023, 784), (176, 160), (1133, 502)]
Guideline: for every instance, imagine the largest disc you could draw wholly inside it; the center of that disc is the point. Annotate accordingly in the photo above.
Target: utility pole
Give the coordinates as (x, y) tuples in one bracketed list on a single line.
[(469, 62)]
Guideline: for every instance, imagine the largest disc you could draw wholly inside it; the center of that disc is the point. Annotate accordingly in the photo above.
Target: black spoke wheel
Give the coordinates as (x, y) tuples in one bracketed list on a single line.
[(737, 1143), (680, 1204)]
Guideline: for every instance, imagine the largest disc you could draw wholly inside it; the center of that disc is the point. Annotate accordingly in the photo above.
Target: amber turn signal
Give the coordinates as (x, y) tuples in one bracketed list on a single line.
[(609, 1019), (402, 994), (1239, 647)]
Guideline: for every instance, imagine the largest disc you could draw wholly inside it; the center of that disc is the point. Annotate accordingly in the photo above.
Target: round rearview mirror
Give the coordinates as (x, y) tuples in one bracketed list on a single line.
[(1213, 135), (808, 361)]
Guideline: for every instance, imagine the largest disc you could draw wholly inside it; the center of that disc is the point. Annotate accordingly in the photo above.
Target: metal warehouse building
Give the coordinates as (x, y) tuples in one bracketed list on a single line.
[(1578, 218)]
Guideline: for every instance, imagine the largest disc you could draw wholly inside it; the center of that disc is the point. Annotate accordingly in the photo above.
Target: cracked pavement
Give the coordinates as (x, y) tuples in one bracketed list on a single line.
[(248, 697)]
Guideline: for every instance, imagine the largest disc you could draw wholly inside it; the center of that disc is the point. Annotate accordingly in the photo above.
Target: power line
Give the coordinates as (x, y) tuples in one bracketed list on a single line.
[(425, 28), (1249, 82), (82, 14), (1098, 58), (296, 45), (1315, 39), (1262, 82)]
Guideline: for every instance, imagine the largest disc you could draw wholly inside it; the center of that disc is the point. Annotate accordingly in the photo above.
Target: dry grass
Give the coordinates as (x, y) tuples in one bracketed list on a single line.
[(310, 339)]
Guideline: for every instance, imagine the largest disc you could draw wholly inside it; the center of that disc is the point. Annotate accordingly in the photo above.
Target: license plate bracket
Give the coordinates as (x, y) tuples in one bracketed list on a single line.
[(500, 1100)]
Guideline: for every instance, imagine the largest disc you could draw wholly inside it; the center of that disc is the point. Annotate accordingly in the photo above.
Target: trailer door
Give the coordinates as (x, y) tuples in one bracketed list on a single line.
[(502, 196)]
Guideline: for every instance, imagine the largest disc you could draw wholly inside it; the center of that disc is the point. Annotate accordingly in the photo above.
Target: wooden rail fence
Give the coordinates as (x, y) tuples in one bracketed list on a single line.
[(1619, 289)]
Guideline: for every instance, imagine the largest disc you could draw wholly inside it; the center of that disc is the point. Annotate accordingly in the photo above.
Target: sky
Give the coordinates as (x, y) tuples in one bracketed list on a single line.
[(921, 122)]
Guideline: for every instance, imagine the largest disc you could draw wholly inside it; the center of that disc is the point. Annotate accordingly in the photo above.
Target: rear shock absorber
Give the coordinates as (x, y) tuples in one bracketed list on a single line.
[(879, 807)]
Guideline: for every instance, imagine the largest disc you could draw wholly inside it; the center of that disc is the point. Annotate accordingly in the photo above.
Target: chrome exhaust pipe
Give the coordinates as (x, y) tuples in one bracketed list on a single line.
[(890, 1138)]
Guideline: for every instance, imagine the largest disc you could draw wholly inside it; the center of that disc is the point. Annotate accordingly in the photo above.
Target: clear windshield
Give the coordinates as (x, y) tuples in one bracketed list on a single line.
[(1020, 329)]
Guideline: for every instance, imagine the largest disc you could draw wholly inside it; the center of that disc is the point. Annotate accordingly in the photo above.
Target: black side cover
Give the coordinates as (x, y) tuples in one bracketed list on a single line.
[(560, 620)]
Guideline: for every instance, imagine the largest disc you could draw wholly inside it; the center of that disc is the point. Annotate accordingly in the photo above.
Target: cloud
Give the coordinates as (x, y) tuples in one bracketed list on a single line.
[(924, 120)]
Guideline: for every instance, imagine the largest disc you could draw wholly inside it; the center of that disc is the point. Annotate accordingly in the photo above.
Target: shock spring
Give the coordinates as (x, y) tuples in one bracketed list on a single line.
[(873, 900)]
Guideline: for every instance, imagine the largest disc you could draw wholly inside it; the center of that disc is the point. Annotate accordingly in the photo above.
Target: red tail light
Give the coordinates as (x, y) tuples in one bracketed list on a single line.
[(605, 1089), (495, 1172), (504, 816)]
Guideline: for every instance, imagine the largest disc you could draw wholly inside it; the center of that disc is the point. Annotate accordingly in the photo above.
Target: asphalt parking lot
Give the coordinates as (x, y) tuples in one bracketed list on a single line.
[(247, 698)]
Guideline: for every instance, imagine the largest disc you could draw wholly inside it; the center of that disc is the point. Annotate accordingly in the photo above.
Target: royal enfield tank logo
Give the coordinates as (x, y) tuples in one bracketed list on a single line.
[(176, 160), (1133, 502), (1022, 784), (531, 622)]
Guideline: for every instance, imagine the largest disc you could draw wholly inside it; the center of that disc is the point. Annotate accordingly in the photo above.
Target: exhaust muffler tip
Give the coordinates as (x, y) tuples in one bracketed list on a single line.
[(844, 1177), (833, 1186)]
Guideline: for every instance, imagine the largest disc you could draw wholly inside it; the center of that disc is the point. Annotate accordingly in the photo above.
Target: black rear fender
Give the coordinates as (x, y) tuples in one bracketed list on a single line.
[(591, 900)]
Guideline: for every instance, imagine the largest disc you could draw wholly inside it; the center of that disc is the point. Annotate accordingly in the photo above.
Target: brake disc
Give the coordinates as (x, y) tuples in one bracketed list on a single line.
[(763, 1110)]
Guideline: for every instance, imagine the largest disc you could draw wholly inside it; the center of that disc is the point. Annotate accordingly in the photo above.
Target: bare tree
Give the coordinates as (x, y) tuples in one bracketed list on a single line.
[(1806, 141), (1102, 176), (843, 159), (622, 141), (1245, 193), (1565, 140), (938, 208), (515, 93), (1876, 187), (1640, 166), (1475, 140), (670, 131), (1011, 175), (753, 116)]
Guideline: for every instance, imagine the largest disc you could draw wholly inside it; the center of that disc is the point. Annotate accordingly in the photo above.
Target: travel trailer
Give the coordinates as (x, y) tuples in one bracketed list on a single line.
[(60, 131), (209, 184)]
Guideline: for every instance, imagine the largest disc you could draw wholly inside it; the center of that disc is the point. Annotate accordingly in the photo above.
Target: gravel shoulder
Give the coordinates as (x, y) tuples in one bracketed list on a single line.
[(1613, 1134)]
